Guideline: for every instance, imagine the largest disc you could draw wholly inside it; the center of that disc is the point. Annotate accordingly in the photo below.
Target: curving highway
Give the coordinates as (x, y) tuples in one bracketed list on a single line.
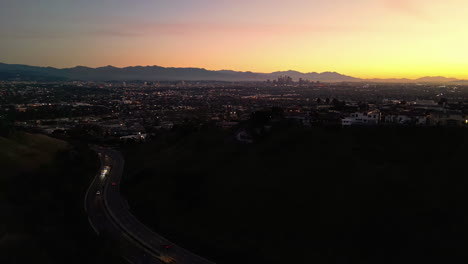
[(109, 215)]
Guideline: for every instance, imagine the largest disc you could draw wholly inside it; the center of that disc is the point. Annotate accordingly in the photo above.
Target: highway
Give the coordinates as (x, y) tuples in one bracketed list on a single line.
[(109, 215)]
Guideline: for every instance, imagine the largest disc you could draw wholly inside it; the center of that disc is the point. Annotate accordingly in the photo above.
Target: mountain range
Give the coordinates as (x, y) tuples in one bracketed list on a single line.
[(157, 73)]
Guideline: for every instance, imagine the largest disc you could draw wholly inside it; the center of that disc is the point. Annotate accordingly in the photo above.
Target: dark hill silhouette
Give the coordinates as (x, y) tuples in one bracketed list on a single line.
[(154, 73), (157, 73)]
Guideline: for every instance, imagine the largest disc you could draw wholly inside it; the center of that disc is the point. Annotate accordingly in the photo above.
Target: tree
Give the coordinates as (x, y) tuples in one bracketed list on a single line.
[(442, 101), (363, 106), (6, 127)]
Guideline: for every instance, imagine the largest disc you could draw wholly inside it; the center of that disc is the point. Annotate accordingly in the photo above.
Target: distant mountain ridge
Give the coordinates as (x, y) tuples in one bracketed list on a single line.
[(427, 79), (157, 73)]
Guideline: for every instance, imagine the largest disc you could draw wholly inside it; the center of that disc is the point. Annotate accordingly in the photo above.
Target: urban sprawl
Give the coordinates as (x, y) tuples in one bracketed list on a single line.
[(136, 110)]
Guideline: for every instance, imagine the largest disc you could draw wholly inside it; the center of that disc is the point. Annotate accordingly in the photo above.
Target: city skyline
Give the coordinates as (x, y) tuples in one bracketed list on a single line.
[(364, 39)]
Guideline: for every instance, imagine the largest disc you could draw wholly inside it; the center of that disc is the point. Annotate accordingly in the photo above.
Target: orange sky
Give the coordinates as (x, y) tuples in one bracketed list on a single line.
[(362, 38)]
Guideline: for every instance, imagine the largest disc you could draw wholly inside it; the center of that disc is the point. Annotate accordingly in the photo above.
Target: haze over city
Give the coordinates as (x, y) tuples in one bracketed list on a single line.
[(362, 38)]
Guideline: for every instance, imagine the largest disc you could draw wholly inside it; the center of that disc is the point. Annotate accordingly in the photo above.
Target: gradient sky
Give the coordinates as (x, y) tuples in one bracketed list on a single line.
[(363, 38)]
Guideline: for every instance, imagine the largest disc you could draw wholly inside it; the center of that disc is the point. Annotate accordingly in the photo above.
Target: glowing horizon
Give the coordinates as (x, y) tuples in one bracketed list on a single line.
[(361, 38)]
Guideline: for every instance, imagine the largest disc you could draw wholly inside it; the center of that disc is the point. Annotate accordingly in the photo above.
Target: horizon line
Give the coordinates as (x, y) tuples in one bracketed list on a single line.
[(240, 71)]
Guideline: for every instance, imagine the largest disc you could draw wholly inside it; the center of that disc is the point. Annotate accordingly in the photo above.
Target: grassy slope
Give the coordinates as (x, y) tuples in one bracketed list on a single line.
[(43, 183), (308, 196), (26, 152)]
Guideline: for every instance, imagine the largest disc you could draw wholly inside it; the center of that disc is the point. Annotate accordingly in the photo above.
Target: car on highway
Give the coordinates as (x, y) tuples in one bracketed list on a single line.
[(167, 259), (105, 171), (165, 247)]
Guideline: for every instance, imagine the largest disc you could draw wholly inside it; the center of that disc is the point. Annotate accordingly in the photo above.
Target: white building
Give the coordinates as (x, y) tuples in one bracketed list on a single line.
[(407, 119), (366, 118), (138, 137), (449, 119)]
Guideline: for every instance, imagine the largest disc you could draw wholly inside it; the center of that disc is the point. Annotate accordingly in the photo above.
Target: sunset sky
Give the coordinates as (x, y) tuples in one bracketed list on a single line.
[(362, 38)]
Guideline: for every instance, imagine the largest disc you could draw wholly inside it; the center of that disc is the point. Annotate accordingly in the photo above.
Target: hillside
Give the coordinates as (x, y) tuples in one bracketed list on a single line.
[(23, 152), (42, 186), (307, 195)]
